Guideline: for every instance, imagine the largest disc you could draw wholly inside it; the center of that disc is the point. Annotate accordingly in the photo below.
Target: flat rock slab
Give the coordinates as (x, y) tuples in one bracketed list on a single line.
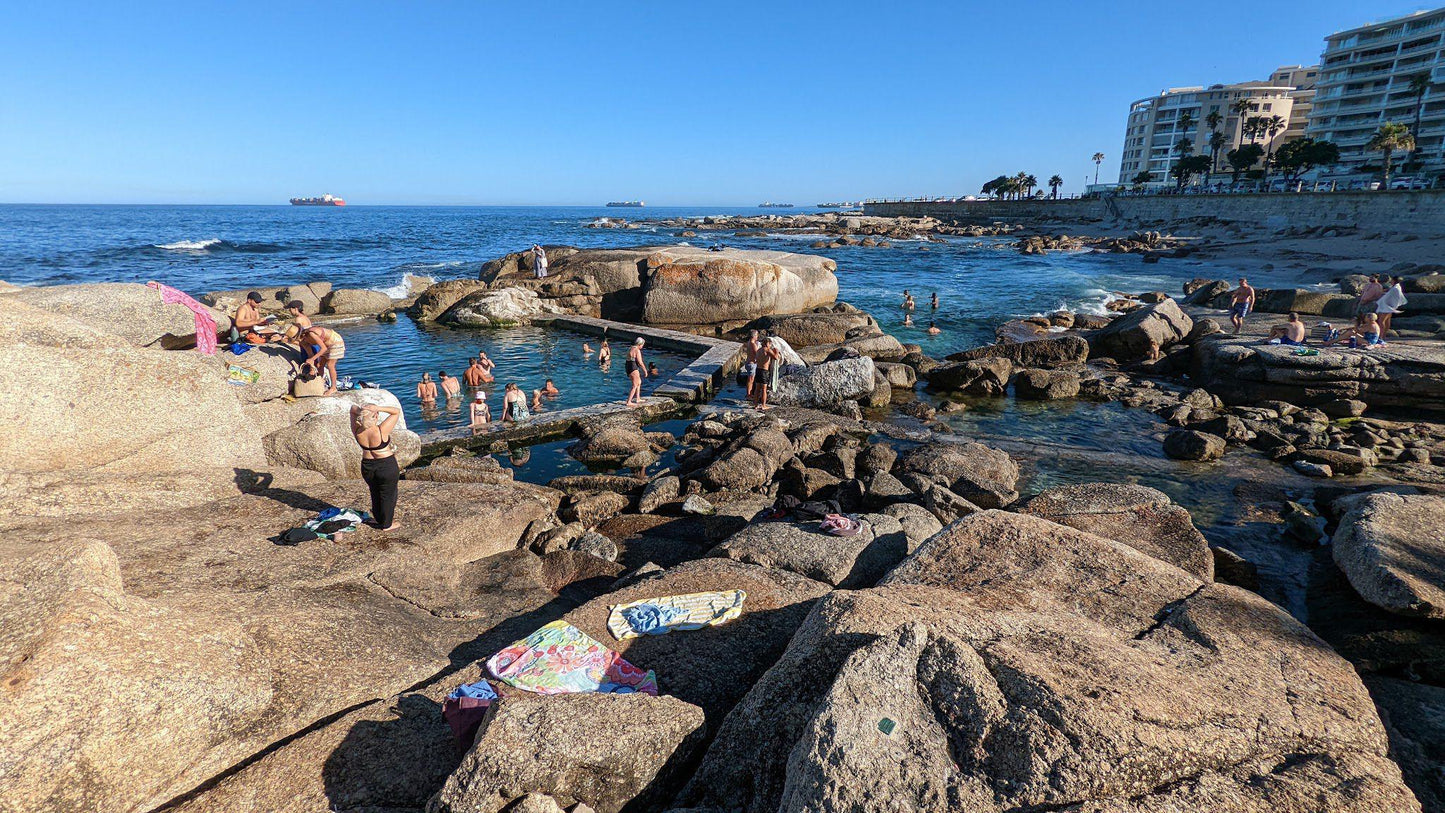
[(1392, 549), (842, 561), (1141, 517), (546, 425)]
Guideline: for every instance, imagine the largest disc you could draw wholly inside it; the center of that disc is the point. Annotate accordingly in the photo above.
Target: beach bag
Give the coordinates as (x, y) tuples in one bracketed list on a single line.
[(308, 387)]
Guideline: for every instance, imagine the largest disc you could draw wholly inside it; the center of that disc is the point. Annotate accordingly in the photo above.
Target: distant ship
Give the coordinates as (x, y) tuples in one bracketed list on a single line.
[(771, 205), (324, 200), (838, 205), (630, 204)]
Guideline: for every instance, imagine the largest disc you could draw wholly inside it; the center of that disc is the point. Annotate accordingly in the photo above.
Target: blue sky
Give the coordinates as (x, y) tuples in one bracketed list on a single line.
[(580, 103)]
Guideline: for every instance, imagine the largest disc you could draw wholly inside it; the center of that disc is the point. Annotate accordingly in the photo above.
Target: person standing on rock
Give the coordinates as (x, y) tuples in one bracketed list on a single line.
[(1241, 302), (1390, 304), (1369, 295), (636, 371), (750, 361), (769, 362), (539, 261), (378, 459), (426, 390)]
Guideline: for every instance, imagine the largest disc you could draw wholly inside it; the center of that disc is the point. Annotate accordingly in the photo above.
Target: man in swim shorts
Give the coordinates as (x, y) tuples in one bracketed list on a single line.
[(1241, 303), (1292, 332)]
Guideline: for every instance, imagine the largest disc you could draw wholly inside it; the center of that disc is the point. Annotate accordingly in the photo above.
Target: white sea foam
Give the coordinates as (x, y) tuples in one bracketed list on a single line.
[(190, 245)]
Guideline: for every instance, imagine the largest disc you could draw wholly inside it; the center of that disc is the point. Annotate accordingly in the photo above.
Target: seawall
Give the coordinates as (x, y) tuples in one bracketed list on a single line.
[(1419, 212)]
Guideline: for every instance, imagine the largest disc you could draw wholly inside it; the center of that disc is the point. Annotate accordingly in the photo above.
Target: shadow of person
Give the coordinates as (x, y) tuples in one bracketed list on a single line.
[(250, 481)]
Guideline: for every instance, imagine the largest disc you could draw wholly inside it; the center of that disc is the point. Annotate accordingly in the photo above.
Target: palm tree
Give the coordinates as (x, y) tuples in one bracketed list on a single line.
[(1054, 183), (1418, 87), (1213, 119), (1021, 183), (1272, 126), (1030, 184), (1098, 159), (1392, 137), (1217, 140), (1241, 107)]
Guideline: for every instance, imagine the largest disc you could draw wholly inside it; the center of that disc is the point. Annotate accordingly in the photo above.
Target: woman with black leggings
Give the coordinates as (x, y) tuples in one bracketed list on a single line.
[(378, 459)]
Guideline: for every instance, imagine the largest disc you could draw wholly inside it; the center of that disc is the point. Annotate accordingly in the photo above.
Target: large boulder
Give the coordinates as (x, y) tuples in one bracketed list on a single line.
[(322, 440), (689, 286), (1045, 385), (439, 298), (1137, 333), (1244, 371), (605, 751), (826, 385), (982, 475), (497, 308), (1189, 444), (96, 423), (131, 311), (842, 561), (986, 376), (1015, 664), (877, 346), (809, 329), (1048, 351), (1391, 549), (520, 263), (1138, 516), (355, 301)]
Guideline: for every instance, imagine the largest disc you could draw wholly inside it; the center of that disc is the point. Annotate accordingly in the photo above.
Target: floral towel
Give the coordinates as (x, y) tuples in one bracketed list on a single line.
[(561, 659), (659, 616)]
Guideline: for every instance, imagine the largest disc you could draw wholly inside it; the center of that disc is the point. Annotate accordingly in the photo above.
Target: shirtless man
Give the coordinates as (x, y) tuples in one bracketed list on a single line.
[(487, 365), (474, 376), (934, 329), (248, 317), (426, 389), (1291, 332), (550, 390), (1241, 303), (451, 388), (750, 360)]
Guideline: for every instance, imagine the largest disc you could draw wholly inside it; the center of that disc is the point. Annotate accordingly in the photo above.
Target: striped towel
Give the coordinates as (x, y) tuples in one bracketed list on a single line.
[(659, 616)]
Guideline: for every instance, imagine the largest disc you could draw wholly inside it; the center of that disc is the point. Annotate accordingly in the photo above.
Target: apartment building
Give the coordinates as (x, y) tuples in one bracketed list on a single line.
[(1365, 81), (1158, 122)]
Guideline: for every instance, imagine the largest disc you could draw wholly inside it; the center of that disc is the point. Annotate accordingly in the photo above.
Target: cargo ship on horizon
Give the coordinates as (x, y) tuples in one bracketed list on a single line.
[(324, 200), (629, 204), (770, 205)]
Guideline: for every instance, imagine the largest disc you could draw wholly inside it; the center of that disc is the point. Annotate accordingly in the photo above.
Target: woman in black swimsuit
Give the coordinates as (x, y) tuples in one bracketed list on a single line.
[(378, 459), (636, 370)]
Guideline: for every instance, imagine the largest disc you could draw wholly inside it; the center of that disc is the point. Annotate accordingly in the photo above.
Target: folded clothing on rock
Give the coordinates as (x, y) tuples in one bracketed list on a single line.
[(841, 525), (689, 611), (466, 707), (326, 525), (560, 659)]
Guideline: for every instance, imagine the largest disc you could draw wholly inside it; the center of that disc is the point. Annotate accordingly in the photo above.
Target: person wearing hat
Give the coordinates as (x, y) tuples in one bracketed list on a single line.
[(248, 319), (481, 412)]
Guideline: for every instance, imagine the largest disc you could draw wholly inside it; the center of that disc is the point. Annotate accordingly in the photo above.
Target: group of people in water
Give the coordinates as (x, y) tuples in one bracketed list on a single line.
[(908, 307)]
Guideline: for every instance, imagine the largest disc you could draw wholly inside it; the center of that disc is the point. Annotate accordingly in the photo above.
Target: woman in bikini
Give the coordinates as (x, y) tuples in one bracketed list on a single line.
[(604, 354), (636, 371), (378, 458)]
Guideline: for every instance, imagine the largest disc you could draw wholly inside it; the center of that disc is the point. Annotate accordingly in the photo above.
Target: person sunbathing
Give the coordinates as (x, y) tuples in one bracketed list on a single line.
[(1292, 332), (1366, 334)]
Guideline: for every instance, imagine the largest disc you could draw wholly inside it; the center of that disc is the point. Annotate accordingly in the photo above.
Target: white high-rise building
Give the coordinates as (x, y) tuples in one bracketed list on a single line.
[(1157, 123), (1365, 81)]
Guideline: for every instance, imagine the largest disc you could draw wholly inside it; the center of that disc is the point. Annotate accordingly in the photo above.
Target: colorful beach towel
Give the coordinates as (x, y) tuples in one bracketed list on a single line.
[(561, 659), (242, 376), (204, 321), (659, 616)]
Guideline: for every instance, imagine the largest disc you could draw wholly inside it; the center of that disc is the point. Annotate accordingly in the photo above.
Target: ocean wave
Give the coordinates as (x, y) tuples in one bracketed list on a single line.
[(190, 245)]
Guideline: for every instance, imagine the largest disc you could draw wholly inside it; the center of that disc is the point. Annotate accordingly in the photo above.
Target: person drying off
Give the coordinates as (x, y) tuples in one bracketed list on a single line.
[(378, 458)]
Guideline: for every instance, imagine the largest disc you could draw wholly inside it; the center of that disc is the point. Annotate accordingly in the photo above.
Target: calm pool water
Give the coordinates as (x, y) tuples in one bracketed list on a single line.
[(395, 355)]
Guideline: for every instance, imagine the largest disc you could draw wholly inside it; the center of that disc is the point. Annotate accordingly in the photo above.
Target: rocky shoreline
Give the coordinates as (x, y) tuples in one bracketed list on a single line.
[(970, 646)]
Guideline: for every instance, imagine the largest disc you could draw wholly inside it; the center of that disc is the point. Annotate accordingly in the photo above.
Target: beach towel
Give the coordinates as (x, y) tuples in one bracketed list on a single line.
[(466, 707), (205, 323), (659, 616), (560, 659), (242, 376)]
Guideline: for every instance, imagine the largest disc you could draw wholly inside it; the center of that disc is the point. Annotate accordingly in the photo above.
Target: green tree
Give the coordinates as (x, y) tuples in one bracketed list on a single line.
[(1241, 108), (996, 187), (1054, 183), (1187, 167), (1392, 137), (1213, 119), (1184, 146), (1419, 86), (1217, 140), (1272, 126), (1098, 159), (1026, 183), (1302, 155), (1242, 158), (1143, 177), (1186, 122)]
